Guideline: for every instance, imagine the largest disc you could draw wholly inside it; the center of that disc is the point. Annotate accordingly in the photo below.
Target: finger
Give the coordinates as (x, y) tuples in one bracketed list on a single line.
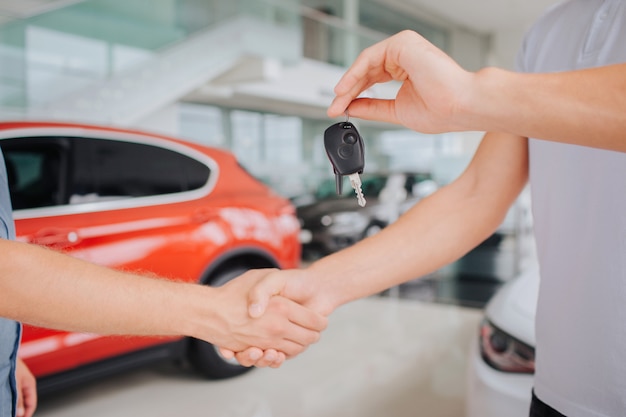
[(293, 323), (342, 102), (249, 357), (259, 296), (279, 360), (30, 402), (20, 410), (383, 110), (300, 315), (290, 348), (269, 357), (226, 353), (368, 69), (30, 396)]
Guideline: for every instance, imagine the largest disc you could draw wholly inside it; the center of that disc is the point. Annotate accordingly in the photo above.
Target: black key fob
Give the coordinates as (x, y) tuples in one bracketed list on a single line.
[(345, 150)]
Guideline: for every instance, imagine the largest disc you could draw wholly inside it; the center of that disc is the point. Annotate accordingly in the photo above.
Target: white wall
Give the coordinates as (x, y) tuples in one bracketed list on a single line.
[(504, 46), (469, 49)]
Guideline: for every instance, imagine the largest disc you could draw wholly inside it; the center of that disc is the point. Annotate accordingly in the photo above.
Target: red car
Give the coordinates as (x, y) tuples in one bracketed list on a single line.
[(139, 202)]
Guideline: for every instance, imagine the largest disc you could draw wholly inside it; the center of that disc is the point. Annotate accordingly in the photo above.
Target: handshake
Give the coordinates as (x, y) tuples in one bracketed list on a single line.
[(266, 316)]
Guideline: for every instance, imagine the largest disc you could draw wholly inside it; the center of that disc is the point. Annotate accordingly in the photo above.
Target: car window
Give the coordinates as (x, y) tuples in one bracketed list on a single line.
[(52, 171), (36, 171), (110, 169)]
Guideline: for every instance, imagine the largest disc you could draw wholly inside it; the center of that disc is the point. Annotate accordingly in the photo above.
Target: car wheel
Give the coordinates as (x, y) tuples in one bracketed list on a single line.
[(372, 229), (205, 357)]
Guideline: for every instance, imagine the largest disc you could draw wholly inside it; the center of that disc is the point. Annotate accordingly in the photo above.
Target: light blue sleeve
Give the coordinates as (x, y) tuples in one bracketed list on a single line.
[(7, 231)]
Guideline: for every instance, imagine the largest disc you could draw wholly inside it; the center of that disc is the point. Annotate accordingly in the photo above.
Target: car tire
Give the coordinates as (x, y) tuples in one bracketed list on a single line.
[(205, 357)]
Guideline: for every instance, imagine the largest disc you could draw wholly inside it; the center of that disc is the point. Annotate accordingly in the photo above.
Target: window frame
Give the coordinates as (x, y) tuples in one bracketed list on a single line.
[(41, 133)]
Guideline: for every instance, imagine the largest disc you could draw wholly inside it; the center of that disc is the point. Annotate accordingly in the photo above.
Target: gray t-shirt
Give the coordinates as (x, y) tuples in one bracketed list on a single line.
[(579, 210), (9, 330)]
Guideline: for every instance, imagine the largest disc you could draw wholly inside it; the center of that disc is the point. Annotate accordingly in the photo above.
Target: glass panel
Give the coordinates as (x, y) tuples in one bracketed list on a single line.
[(407, 149), (34, 172), (246, 140), (283, 139), (202, 124), (53, 54)]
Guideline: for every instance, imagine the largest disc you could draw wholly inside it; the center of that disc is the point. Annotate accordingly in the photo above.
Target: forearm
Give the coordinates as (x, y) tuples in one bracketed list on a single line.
[(434, 233), (49, 289), (438, 230), (585, 107)]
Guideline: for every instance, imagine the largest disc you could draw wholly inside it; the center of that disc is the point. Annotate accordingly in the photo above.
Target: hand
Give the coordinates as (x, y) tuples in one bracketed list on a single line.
[(296, 284), (293, 284), (428, 99), (26, 390), (285, 326)]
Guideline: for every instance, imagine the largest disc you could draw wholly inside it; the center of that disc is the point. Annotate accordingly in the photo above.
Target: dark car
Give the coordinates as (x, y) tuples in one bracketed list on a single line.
[(330, 222), (138, 202)]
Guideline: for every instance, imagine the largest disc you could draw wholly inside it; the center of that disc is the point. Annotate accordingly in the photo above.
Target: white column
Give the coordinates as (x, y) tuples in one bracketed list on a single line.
[(351, 17)]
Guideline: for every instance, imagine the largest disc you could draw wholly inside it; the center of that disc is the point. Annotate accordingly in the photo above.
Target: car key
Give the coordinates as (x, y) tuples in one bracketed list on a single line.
[(345, 150)]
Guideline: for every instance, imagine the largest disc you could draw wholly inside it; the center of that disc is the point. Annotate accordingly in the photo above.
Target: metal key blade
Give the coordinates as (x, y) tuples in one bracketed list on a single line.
[(355, 182), (339, 183)]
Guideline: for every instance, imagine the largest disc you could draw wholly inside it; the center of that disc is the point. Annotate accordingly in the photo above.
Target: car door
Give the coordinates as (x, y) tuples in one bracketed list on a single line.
[(37, 174), (110, 202)]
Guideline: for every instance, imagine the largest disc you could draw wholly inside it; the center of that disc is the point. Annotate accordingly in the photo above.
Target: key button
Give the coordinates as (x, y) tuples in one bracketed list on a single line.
[(345, 151), (350, 139)]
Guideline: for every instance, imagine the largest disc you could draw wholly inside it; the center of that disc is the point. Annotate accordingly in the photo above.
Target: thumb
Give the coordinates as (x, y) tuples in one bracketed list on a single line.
[(20, 410), (259, 296)]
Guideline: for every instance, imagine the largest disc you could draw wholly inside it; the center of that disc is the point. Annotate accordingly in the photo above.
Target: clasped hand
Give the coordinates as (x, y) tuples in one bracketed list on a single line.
[(283, 304)]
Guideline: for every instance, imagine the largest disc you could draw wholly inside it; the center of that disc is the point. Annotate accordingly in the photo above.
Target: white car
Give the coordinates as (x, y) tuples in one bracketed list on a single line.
[(502, 359)]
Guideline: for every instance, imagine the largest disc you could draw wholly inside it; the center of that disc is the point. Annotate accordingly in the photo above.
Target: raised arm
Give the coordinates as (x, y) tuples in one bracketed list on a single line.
[(584, 107), (433, 233)]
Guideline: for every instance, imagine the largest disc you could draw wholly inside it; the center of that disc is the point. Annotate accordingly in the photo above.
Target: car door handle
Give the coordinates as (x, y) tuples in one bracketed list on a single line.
[(204, 215), (56, 237)]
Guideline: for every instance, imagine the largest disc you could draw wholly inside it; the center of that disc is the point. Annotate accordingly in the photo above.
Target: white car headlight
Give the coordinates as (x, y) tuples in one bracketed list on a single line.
[(505, 353)]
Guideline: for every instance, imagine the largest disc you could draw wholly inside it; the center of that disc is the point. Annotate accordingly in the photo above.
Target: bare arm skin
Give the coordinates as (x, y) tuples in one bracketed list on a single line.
[(585, 107), (50, 289), (26, 390), (436, 231)]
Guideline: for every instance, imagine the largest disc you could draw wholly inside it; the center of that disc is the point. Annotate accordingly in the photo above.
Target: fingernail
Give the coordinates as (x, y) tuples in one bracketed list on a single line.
[(255, 355), (255, 310), (19, 412)]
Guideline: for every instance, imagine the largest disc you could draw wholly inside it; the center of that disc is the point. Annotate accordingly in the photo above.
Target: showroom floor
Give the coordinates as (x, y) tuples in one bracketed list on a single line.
[(380, 356), (401, 353)]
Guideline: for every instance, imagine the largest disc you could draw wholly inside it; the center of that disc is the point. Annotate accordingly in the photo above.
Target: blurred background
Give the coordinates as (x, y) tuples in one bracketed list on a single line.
[(255, 78)]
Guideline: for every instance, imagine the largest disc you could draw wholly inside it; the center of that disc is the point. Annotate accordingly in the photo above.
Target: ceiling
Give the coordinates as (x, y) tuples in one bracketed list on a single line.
[(21, 9), (484, 16)]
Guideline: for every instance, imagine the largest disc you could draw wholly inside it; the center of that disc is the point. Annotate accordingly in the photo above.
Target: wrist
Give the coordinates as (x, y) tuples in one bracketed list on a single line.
[(330, 290), (194, 317), (480, 109)]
